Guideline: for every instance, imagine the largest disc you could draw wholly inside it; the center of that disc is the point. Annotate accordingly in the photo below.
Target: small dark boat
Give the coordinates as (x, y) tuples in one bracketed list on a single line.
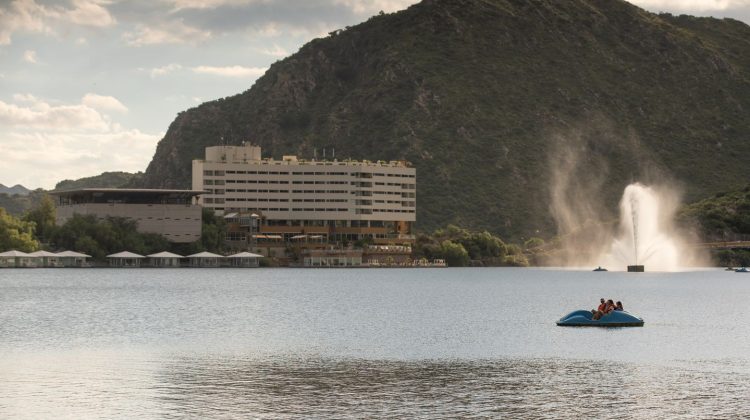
[(742, 270), (600, 268), (729, 269), (583, 318)]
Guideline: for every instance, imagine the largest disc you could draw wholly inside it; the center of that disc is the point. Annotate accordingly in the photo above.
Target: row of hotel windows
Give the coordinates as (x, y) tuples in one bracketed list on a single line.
[(209, 200), (255, 181), (370, 193), (286, 200), (222, 173), (336, 223)]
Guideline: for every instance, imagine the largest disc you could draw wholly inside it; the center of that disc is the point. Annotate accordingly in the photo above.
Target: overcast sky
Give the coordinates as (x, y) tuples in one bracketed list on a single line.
[(88, 86)]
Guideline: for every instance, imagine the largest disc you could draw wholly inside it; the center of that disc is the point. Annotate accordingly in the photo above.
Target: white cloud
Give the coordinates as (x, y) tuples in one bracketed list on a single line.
[(275, 51), (89, 13), (22, 15), (25, 97), (161, 71), (29, 16), (357, 6), (40, 115), (29, 56), (369, 7), (44, 143), (43, 158), (206, 4), (691, 5), (107, 103), (175, 32), (231, 71)]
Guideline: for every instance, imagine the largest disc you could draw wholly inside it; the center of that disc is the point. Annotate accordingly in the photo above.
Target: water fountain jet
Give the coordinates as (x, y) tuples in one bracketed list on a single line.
[(645, 235)]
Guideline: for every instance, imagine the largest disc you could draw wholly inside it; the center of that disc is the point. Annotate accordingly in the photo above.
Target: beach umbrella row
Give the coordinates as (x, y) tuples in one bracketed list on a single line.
[(165, 254), (169, 259), (43, 254), (14, 258)]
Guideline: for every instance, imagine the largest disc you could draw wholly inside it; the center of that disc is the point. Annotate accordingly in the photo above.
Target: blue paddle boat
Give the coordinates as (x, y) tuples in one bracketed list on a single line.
[(742, 270), (583, 318)]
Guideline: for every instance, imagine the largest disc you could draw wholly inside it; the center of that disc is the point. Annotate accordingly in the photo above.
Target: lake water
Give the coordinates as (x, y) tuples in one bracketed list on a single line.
[(364, 343)]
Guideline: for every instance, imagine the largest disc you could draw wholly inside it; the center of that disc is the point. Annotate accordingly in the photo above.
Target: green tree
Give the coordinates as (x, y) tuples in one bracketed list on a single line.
[(43, 216), (99, 238), (454, 254), (88, 245), (213, 231), (16, 234), (483, 245)]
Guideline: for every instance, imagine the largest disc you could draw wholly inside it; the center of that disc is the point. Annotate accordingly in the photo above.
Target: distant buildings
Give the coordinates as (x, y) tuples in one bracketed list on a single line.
[(170, 213), (278, 203)]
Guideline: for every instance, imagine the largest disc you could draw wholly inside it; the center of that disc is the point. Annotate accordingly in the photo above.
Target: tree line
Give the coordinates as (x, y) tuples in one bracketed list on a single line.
[(36, 229)]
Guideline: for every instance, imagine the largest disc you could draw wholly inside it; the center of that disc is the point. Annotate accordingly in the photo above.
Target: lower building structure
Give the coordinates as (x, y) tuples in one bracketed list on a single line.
[(169, 213)]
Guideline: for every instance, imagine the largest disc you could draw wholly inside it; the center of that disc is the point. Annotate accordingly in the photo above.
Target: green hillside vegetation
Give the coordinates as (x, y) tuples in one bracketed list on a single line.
[(18, 204), (492, 99), (725, 217), (103, 180)]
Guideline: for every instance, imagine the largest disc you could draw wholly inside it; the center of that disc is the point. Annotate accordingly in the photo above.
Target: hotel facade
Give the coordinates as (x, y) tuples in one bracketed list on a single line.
[(291, 198)]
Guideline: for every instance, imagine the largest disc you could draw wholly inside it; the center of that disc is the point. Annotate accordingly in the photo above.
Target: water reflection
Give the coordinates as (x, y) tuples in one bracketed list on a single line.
[(282, 388)]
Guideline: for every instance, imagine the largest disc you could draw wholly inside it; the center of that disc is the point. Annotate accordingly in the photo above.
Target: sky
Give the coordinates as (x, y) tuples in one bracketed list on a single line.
[(88, 86)]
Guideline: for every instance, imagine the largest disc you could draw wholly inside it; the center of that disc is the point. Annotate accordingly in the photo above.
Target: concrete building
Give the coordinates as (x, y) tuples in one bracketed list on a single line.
[(170, 213), (340, 201)]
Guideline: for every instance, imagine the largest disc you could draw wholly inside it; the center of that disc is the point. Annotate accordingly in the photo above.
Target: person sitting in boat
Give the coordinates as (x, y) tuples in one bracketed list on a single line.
[(609, 307), (599, 312), (618, 306)]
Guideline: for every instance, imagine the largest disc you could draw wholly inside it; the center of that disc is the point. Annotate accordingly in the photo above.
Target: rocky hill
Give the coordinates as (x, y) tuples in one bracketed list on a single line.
[(14, 190), (103, 180), (505, 107)]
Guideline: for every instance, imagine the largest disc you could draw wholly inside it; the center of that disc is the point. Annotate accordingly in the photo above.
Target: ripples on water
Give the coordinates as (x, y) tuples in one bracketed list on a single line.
[(449, 389), (318, 388), (332, 344)]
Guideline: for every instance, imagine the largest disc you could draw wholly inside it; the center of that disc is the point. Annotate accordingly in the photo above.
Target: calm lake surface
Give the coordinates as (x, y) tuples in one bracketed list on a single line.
[(364, 343)]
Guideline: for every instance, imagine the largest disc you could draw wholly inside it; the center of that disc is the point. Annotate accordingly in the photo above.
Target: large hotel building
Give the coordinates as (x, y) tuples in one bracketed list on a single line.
[(294, 198)]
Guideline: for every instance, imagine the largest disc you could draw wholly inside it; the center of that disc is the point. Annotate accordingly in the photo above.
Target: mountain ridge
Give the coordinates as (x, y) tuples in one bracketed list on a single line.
[(16, 189)]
